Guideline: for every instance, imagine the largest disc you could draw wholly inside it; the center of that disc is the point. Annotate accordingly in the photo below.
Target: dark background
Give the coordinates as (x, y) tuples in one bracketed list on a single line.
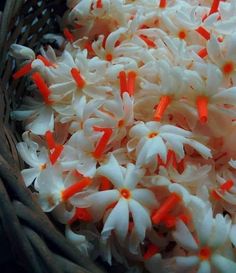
[(2, 2), (7, 259)]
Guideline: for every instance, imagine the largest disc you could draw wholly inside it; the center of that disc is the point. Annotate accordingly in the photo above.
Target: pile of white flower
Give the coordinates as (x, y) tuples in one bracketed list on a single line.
[(130, 132)]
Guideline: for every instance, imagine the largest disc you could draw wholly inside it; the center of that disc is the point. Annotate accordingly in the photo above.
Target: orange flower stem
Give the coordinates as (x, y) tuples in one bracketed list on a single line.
[(24, 70), (75, 73), (185, 218), (88, 46), (75, 188), (168, 204), (45, 61), (151, 250), (69, 36), (131, 82), (56, 153), (204, 33), (215, 195), (169, 221), (226, 186), (123, 82), (162, 4), (105, 184), (99, 150), (214, 6), (149, 42), (163, 104), (50, 140), (99, 4), (202, 102), (42, 86)]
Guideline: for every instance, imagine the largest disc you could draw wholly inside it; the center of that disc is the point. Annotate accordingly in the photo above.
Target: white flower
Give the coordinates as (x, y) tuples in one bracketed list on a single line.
[(78, 154), (223, 54), (38, 117), (127, 198), (117, 113), (210, 247), (36, 157), (54, 187), (76, 75), (154, 139)]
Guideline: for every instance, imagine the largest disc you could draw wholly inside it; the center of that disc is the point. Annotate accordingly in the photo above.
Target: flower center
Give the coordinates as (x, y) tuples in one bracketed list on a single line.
[(109, 57), (228, 68), (42, 166), (152, 135), (182, 34), (125, 193), (205, 253), (121, 123)]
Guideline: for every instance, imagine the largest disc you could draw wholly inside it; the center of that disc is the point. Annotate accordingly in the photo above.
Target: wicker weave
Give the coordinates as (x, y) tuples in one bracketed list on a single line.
[(37, 245)]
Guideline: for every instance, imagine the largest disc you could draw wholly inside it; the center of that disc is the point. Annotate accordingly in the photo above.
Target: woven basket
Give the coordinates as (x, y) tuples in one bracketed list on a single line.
[(35, 242)]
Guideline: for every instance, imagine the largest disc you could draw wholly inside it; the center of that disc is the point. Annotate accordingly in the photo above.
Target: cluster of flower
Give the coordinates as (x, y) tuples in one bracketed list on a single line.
[(130, 131)]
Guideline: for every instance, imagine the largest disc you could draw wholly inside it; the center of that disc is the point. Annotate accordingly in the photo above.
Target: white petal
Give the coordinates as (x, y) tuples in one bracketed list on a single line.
[(139, 130), (204, 267), (175, 130), (223, 264), (118, 220), (145, 197), (141, 219), (213, 49), (183, 237), (202, 149), (205, 227), (132, 176), (112, 170), (29, 175), (175, 142), (113, 37), (158, 147), (233, 235), (221, 231), (187, 262), (144, 146), (227, 96), (21, 52), (99, 201), (27, 155), (43, 123)]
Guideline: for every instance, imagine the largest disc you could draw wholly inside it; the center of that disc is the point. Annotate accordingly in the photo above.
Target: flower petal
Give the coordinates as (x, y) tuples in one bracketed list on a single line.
[(99, 201), (29, 175), (223, 264), (112, 171), (183, 237), (132, 176), (118, 221), (204, 267), (141, 220), (187, 262), (145, 197)]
